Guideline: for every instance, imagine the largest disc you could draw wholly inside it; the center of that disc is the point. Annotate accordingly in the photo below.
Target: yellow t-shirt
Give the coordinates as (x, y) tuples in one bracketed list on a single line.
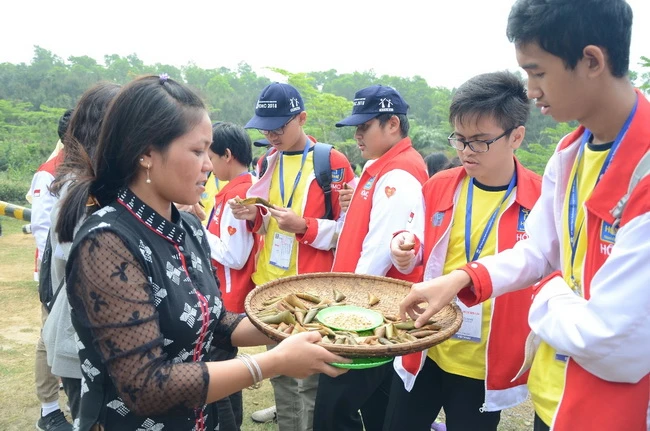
[(267, 271), (212, 187), (466, 357), (546, 379)]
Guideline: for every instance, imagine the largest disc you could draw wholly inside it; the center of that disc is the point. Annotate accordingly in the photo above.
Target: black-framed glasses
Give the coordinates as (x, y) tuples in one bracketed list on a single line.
[(280, 130), (479, 145)]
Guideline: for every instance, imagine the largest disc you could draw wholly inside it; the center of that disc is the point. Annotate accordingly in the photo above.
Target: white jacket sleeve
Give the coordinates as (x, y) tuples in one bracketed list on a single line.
[(395, 195), (42, 203), (235, 243), (609, 334)]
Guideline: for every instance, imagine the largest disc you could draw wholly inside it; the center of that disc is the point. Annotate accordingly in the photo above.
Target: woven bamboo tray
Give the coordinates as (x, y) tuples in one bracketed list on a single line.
[(355, 288)]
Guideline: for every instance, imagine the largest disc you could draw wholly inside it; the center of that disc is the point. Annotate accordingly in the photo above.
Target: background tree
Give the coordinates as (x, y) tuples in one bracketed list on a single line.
[(33, 96)]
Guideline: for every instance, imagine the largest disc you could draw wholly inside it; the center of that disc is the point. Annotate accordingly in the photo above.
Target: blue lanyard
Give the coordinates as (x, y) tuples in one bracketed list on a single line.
[(490, 223), (574, 234), (298, 175)]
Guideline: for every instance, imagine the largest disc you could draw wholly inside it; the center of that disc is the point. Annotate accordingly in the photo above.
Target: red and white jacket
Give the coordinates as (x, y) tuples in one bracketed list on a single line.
[(314, 252), (42, 203), (233, 247), (508, 321), (382, 203), (606, 334)]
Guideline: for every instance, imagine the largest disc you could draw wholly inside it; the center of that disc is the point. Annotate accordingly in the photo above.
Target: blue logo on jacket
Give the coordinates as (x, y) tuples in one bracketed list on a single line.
[(437, 218), (523, 215), (337, 175), (368, 185), (608, 232)]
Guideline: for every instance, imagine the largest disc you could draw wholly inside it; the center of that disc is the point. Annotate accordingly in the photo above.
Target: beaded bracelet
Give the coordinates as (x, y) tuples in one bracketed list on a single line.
[(253, 368)]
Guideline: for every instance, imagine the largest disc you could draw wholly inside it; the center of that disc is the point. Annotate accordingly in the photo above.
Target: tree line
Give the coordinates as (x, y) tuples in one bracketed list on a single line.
[(33, 96)]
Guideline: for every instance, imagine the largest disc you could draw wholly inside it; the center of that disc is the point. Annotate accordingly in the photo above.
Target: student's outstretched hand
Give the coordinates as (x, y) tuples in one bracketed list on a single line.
[(401, 250), (241, 211), (298, 356), (288, 220), (436, 293)]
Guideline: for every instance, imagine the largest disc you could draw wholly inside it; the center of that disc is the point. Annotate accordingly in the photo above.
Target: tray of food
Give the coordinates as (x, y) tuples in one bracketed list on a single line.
[(357, 315)]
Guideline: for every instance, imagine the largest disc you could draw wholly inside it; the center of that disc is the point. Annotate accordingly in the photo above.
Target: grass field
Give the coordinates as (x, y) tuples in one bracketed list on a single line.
[(20, 326)]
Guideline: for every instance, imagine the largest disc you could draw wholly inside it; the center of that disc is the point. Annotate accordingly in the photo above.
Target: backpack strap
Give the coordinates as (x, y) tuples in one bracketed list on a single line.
[(641, 171), (323, 174), (264, 164), (46, 292)]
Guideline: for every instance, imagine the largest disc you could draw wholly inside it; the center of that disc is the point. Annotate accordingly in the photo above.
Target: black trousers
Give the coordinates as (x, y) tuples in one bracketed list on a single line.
[(539, 424), (72, 389), (461, 397), (339, 400)]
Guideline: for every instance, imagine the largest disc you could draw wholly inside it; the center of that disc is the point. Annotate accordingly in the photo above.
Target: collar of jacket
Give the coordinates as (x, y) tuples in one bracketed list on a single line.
[(615, 182), (381, 162), (240, 179), (525, 185)]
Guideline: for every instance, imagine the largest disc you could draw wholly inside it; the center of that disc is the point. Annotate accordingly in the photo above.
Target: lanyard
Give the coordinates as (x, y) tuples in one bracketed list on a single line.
[(298, 175), (574, 234), (490, 223)]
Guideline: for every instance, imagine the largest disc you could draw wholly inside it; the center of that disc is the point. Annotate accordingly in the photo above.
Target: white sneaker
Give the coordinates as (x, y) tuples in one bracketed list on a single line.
[(265, 415)]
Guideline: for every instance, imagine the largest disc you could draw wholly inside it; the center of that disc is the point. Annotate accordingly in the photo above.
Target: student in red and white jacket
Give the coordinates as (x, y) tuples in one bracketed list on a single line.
[(42, 203), (47, 385), (296, 239), (589, 316), (389, 187), (471, 211), (233, 247)]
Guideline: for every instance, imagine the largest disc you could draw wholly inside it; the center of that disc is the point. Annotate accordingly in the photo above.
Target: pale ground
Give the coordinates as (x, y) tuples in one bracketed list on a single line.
[(20, 325)]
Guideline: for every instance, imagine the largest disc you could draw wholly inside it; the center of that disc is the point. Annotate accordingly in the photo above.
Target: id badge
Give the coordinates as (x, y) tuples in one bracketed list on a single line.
[(281, 250), (470, 330)]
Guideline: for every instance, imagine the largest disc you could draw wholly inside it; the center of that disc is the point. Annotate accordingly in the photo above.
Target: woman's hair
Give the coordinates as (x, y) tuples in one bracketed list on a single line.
[(80, 141), (229, 136), (147, 114), (81, 131)]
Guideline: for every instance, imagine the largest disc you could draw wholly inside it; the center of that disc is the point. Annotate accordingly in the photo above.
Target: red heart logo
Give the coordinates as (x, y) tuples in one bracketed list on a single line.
[(231, 230), (390, 191)]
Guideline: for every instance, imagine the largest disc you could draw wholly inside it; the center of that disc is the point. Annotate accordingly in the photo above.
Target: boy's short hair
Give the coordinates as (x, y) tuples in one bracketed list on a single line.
[(234, 138), (498, 95), (565, 27)]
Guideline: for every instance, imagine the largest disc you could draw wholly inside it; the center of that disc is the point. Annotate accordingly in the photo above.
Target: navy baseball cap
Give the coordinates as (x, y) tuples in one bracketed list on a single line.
[(275, 106), (373, 101)]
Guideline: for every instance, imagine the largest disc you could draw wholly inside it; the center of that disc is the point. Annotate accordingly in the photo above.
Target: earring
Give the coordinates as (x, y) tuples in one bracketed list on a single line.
[(148, 179)]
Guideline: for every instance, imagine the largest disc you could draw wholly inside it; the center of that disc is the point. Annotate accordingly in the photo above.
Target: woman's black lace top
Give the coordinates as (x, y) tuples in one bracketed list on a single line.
[(146, 308)]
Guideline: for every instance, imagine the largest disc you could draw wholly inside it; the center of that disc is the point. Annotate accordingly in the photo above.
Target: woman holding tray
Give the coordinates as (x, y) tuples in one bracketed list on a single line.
[(145, 302)]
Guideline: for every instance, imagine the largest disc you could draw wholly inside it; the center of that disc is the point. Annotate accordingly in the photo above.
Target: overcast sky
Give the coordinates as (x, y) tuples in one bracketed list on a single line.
[(446, 42)]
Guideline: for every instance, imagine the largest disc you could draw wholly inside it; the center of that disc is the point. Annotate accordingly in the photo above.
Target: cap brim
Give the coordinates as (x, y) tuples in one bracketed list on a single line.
[(262, 143), (355, 119), (267, 123)]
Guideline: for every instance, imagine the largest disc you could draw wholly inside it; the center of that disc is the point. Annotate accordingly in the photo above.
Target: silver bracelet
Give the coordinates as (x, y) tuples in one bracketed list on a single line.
[(260, 377), (253, 368)]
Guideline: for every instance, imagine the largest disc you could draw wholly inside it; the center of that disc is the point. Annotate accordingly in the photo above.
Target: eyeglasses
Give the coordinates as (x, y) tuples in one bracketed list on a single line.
[(362, 128), (280, 130), (478, 146)]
